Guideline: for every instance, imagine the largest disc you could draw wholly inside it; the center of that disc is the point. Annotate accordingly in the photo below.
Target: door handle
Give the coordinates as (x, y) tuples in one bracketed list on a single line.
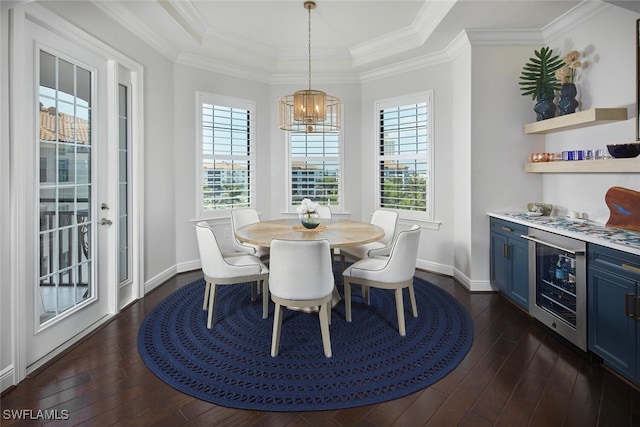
[(105, 221), (104, 206)]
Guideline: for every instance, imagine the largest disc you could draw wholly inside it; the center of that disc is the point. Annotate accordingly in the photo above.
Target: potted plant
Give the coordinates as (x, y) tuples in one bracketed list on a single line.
[(538, 80)]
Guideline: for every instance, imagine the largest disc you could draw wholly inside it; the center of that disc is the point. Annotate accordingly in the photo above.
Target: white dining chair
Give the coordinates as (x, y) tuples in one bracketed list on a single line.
[(324, 212), (388, 221), (221, 270), (301, 277), (240, 218), (395, 271)]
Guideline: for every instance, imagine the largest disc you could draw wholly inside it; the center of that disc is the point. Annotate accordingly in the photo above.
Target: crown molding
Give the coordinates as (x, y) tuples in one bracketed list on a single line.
[(129, 21), (506, 37), (221, 67), (187, 16), (574, 18), (412, 37)]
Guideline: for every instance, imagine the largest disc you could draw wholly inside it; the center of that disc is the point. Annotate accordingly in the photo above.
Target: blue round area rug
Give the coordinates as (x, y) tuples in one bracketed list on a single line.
[(231, 365)]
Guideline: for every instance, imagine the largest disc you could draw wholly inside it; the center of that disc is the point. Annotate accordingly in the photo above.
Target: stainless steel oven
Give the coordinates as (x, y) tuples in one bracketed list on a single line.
[(557, 284)]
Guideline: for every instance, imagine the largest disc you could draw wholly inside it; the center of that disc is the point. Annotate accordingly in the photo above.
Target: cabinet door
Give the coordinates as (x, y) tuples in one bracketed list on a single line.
[(499, 266), (519, 258), (612, 333)]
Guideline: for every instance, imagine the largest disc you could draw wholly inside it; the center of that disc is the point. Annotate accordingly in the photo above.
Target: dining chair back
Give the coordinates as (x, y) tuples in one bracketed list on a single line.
[(240, 218), (301, 277), (385, 219), (221, 270), (324, 212), (395, 271)]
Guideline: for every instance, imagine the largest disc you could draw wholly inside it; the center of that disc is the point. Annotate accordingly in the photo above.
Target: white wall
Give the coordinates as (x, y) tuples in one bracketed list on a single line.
[(188, 81), (436, 244), (609, 81)]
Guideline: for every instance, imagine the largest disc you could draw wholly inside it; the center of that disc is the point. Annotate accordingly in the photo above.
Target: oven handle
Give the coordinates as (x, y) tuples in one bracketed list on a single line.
[(542, 242)]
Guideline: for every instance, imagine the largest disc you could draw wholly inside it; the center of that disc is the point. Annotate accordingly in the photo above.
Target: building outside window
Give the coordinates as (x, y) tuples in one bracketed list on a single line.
[(405, 155), (315, 165), (226, 147)]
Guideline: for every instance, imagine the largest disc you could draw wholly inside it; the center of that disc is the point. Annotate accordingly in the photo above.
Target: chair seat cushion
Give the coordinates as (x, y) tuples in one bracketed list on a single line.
[(361, 251), (374, 269), (240, 260)]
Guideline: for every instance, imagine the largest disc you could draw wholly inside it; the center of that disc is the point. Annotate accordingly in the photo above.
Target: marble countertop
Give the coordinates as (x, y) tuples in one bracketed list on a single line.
[(588, 231)]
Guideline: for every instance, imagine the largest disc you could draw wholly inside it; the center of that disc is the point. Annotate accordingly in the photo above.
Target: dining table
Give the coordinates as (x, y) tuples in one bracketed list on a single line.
[(339, 233)]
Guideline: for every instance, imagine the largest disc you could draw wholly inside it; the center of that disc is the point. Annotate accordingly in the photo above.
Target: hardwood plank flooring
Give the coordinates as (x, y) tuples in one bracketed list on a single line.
[(516, 374)]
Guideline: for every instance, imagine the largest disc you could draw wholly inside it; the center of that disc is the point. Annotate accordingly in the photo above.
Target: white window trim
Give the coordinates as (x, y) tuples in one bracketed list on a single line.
[(427, 96), (203, 97), (339, 208)]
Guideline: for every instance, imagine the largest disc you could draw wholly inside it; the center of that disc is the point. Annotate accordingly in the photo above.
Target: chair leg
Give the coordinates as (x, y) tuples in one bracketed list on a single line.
[(412, 296), (277, 326), (212, 301), (324, 328), (254, 289), (347, 299), (341, 261), (265, 298), (400, 312), (207, 289)]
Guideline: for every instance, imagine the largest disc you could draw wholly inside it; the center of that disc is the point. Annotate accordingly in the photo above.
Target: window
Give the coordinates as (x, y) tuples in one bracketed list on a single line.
[(405, 155), (315, 164), (227, 160)]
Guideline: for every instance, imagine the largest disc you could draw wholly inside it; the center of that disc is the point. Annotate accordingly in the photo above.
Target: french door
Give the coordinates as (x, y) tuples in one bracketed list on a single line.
[(74, 283)]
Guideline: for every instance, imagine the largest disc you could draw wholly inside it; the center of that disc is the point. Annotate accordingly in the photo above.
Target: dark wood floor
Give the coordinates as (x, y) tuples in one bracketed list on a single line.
[(516, 374)]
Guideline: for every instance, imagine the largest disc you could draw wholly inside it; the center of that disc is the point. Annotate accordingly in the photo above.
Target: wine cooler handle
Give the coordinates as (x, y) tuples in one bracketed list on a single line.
[(542, 242)]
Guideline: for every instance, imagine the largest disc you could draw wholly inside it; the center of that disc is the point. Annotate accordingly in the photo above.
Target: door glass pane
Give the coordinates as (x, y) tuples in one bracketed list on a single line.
[(123, 186), (65, 186)]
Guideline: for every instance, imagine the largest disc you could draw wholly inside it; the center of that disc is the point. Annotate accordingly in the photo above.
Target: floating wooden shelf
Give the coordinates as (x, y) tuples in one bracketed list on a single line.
[(595, 116), (586, 166)]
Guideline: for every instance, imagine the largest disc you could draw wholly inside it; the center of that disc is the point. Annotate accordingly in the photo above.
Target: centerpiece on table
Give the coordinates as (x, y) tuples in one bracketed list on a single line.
[(567, 76), (538, 80), (308, 213)]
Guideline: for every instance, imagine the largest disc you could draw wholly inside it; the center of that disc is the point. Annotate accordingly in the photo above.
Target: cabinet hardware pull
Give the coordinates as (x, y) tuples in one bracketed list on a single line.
[(627, 303), (637, 308), (507, 229), (505, 250), (631, 267)]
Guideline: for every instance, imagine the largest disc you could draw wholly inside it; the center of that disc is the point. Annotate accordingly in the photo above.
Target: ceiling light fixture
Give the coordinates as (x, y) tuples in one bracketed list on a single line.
[(310, 110)]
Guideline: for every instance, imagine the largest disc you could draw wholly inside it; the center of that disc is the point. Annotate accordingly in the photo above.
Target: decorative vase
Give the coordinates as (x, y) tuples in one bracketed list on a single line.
[(544, 108), (310, 220), (568, 102)]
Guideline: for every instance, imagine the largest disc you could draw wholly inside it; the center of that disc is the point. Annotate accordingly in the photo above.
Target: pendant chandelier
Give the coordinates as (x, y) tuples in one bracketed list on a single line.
[(310, 110)]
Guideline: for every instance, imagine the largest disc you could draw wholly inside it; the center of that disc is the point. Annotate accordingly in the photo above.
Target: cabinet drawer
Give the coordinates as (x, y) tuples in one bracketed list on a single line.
[(614, 261), (509, 229)]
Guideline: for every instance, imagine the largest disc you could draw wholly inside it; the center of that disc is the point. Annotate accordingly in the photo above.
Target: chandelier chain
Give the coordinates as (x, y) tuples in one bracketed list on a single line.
[(309, 44)]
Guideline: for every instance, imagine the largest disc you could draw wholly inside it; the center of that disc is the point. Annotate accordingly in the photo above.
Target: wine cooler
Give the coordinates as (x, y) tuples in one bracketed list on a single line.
[(557, 284)]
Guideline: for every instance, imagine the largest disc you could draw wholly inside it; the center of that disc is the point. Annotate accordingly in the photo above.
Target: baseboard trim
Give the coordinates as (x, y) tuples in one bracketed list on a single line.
[(7, 378), (159, 279)]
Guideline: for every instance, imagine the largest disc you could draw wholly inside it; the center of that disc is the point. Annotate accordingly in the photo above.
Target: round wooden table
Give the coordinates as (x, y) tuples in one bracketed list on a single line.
[(338, 233)]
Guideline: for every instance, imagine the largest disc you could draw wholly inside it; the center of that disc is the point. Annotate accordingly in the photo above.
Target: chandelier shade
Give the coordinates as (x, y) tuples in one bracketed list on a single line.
[(310, 110)]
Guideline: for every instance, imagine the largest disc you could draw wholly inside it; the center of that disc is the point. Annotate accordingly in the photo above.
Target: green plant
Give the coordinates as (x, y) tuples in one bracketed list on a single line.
[(538, 75)]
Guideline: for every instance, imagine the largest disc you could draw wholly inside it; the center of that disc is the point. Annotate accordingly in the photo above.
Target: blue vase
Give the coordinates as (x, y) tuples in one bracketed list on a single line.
[(568, 102), (310, 220), (544, 108)]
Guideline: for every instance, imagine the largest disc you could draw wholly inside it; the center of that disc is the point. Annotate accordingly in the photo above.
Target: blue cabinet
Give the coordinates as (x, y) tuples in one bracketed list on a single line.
[(510, 261), (613, 309)]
